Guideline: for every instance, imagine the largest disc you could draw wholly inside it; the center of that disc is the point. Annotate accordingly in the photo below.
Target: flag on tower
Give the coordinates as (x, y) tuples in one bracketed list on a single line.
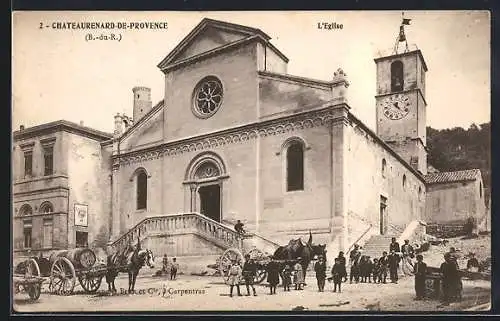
[(406, 21)]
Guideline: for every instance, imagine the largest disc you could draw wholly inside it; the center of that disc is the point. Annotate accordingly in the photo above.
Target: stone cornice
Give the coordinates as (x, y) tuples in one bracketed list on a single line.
[(321, 117), (386, 147), (60, 125), (296, 79), (210, 53)]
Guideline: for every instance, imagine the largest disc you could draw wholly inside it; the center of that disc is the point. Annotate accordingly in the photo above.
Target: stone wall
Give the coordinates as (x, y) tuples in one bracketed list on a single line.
[(365, 184), (88, 171), (454, 201)]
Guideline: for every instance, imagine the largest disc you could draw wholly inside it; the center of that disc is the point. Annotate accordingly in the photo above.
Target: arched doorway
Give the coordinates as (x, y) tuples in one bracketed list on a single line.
[(205, 184)]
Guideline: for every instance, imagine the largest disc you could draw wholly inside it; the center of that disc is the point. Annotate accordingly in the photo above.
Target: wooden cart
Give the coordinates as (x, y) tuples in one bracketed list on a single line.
[(30, 281)]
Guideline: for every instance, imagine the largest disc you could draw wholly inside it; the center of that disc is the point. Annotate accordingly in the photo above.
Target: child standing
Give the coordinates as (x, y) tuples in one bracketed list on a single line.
[(337, 274), (234, 277), (287, 278), (173, 269), (298, 277)]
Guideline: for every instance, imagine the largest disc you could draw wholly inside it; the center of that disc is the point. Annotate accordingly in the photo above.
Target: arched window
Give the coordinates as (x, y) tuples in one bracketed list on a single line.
[(25, 210), (46, 207), (404, 182), (419, 193), (397, 81), (295, 166), (384, 167), (142, 190), (480, 190)]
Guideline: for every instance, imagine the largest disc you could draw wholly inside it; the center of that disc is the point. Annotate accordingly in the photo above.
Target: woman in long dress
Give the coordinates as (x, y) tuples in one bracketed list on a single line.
[(273, 276), (299, 276)]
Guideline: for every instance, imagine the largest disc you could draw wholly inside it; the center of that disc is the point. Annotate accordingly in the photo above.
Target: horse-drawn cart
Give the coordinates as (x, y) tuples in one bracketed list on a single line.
[(287, 254), (62, 269), (70, 265)]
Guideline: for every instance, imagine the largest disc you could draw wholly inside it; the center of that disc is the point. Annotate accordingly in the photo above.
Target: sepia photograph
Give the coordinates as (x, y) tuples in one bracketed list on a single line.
[(329, 161)]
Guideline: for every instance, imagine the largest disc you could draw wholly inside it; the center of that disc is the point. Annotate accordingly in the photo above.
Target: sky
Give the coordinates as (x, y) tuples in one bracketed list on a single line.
[(58, 75)]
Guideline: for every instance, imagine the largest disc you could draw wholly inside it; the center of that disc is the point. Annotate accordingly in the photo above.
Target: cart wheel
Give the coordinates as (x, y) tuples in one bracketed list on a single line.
[(62, 276), (32, 268), (34, 291), (261, 259), (225, 262), (90, 283)]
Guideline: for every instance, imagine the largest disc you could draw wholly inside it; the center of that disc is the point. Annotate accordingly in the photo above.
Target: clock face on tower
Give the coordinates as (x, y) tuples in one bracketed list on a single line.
[(396, 106)]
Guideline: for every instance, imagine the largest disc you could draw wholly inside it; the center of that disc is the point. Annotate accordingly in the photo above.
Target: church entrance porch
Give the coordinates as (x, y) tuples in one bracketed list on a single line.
[(206, 185), (210, 201)]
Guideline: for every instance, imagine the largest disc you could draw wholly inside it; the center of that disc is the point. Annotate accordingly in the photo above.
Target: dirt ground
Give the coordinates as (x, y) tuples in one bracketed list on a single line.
[(209, 293)]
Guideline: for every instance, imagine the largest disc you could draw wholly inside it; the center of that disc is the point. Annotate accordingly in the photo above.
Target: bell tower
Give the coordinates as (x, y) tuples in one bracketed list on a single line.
[(400, 102)]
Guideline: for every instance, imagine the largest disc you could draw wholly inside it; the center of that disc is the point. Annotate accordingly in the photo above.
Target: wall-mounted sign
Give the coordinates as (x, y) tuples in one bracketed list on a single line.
[(81, 212)]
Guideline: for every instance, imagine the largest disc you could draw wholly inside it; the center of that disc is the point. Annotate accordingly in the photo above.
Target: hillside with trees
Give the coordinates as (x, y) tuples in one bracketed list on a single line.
[(458, 148)]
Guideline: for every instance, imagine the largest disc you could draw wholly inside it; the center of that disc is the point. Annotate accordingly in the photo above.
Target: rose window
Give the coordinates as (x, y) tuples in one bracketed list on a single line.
[(207, 97)]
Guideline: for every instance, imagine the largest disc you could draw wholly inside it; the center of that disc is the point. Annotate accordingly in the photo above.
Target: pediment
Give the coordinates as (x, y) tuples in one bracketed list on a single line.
[(206, 36), (148, 131), (207, 40)]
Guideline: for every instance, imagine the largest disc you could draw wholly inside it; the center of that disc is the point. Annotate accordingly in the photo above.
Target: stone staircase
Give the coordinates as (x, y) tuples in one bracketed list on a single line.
[(376, 245), (193, 238)]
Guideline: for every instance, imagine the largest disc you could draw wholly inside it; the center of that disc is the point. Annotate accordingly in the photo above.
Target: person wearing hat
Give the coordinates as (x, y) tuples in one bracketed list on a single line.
[(407, 249), (383, 264), (273, 275), (393, 266), (394, 246), (234, 277), (420, 271), (451, 279), (320, 269), (249, 272)]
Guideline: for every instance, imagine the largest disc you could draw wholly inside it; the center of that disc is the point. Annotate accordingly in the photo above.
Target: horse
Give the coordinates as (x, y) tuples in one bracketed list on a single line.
[(130, 261), (297, 249)]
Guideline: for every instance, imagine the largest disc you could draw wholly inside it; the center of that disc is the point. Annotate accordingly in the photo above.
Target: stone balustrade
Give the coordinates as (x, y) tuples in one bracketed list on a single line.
[(180, 224)]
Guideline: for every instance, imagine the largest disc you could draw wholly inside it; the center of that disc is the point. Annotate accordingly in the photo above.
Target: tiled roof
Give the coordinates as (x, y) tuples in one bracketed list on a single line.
[(447, 177)]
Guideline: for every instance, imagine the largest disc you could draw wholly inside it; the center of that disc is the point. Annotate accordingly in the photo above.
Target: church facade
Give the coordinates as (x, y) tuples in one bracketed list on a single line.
[(237, 138)]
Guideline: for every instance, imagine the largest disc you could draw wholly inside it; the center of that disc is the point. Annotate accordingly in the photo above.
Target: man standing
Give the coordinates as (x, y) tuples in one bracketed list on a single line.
[(394, 246), (320, 269), (249, 272), (451, 279), (354, 257), (173, 269), (393, 266), (420, 270)]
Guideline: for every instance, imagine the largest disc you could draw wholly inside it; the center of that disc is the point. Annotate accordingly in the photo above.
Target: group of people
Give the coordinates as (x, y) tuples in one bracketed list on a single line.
[(289, 274), (170, 268), (362, 268)]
